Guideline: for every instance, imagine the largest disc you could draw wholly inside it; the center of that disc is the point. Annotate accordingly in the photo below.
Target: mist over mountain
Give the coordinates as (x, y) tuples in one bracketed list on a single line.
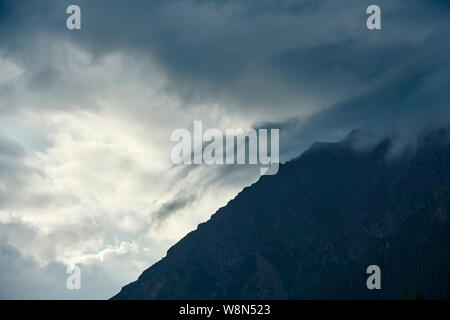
[(311, 230)]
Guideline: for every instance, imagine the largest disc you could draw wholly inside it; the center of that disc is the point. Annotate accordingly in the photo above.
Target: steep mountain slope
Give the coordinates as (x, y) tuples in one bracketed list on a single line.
[(311, 231)]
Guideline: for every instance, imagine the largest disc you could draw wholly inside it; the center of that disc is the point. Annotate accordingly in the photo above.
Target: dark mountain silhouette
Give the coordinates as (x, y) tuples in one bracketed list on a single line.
[(310, 231)]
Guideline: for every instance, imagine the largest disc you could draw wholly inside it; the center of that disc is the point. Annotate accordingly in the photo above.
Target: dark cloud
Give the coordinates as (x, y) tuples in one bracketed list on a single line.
[(404, 100), (180, 201), (13, 170), (22, 278), (9, 148), (292, 55)]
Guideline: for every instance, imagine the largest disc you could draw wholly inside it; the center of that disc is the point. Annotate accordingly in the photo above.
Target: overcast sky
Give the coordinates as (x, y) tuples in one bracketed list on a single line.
[(86, 115)]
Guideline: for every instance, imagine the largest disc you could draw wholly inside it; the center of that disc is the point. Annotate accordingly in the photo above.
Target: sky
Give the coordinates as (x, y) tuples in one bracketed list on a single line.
[(86, 115)]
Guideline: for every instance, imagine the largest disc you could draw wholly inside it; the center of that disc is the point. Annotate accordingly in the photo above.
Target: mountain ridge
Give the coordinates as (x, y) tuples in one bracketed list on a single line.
[(308, 231)]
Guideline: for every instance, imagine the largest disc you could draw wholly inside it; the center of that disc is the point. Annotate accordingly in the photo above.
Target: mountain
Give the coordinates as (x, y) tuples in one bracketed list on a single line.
[(310, 231)]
